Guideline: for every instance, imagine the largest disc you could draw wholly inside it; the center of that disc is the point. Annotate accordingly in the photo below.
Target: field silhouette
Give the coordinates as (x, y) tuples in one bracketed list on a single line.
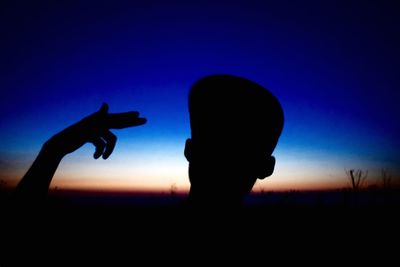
[(140, 225)]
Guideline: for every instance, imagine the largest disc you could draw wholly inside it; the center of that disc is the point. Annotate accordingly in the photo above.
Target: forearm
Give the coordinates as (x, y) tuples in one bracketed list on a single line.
[(35, 183)]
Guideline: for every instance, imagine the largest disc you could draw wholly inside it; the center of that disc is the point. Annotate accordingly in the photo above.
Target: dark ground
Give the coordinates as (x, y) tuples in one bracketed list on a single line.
[(121, 229)]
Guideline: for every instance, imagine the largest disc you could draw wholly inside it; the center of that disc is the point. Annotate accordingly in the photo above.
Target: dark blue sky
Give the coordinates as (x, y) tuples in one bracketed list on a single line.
[(333, 64)]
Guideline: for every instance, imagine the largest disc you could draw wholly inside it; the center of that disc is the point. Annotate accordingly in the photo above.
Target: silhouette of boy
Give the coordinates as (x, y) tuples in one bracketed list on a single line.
[(235, 126)]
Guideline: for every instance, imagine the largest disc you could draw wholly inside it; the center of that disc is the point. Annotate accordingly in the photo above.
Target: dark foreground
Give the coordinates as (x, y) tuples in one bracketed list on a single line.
[(123, 230)]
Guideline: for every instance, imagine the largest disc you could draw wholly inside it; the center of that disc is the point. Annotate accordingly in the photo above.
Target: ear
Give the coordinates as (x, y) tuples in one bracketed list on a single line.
[(268, 168), (188, 149)]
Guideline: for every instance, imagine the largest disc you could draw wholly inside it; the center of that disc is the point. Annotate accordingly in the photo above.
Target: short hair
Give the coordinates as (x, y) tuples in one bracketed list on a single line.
[(234, 107)]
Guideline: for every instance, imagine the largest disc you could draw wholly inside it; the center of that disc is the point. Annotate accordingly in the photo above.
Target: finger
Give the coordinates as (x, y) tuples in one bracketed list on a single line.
[(100, 144), (111, 140), (124, 120)]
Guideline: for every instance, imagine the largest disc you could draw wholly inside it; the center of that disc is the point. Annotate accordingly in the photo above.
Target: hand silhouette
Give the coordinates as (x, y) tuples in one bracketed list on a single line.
[(95, 129)]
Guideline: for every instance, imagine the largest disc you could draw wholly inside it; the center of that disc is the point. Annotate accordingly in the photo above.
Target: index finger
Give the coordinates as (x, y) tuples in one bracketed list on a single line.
[(124, 120)]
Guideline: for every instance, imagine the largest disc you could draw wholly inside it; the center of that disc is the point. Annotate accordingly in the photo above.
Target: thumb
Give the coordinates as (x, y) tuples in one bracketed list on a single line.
[(103, 109)]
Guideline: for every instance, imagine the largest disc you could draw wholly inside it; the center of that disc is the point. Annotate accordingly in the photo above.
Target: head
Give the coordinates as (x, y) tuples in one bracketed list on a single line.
[(235, 126)]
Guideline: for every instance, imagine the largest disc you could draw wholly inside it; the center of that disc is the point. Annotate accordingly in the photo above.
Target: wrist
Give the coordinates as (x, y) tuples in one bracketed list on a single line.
[(51, 150)]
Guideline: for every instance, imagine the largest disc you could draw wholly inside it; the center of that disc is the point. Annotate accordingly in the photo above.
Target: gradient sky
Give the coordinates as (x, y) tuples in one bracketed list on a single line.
[(334, 65)]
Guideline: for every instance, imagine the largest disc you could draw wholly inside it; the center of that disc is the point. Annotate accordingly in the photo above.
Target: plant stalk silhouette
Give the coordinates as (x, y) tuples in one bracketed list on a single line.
[(357, 178)]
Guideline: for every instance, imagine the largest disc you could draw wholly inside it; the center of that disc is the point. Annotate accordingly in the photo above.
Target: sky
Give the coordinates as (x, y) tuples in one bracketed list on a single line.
[(334, 66)]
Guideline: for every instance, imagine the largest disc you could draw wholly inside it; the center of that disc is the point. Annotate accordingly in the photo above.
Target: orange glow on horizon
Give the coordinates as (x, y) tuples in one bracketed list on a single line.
[(155, 174), (121, 185), (138, 185)]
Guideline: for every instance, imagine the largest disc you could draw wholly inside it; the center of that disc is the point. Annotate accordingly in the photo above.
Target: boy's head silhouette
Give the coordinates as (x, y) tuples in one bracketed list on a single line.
[(235, 126)]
